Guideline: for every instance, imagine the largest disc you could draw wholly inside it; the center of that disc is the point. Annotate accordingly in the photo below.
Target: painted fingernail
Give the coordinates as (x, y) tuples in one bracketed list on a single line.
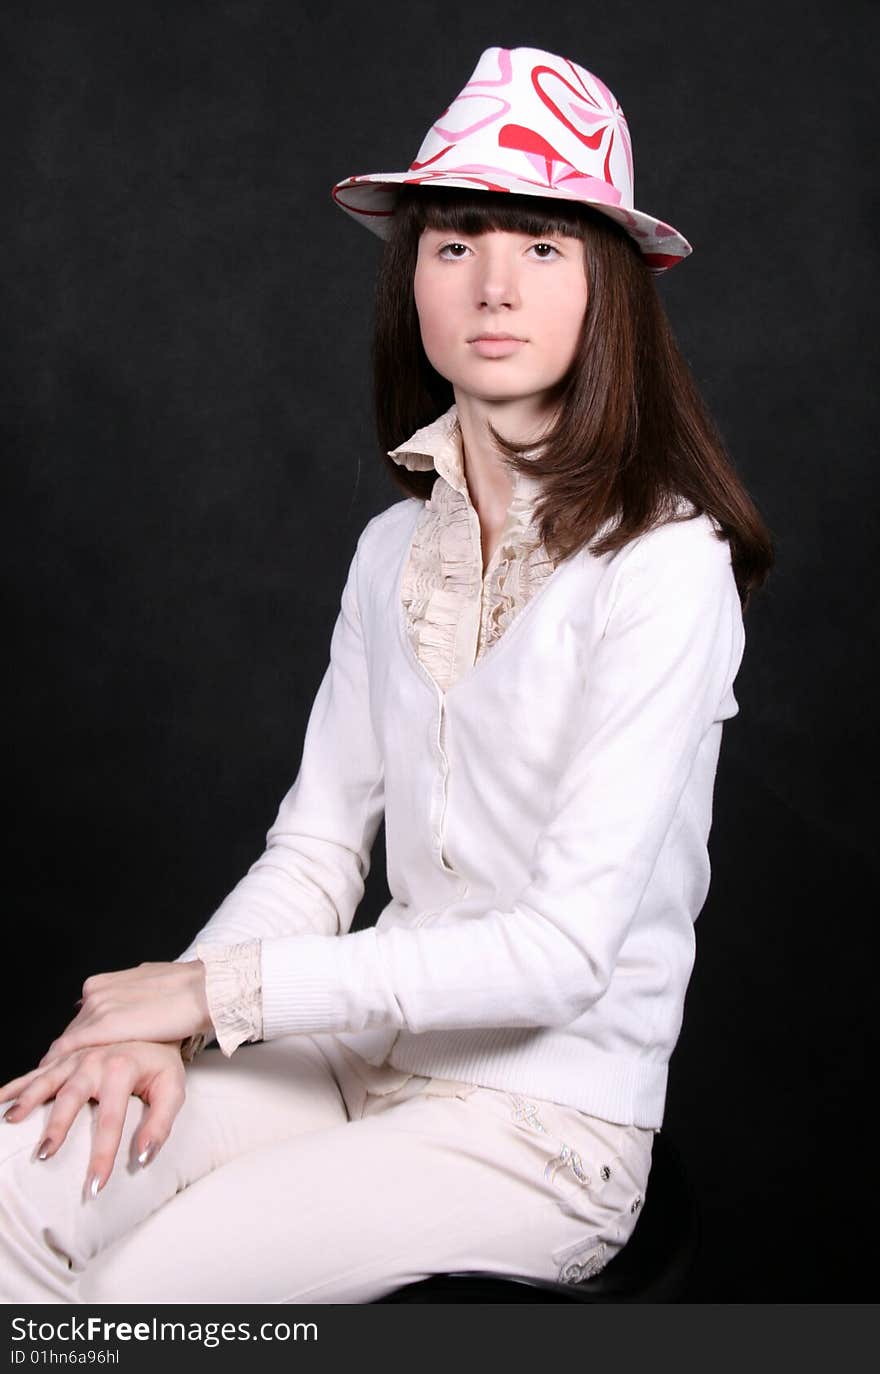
[(94, 1185), (10, 1110), (147, 1153), (44, 1148)]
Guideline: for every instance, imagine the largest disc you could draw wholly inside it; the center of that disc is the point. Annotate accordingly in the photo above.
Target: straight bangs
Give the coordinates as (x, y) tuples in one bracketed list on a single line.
[(479, 212)]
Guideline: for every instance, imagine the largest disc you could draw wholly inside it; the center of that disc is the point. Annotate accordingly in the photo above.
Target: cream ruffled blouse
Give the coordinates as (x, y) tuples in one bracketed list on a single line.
[(454, 612)]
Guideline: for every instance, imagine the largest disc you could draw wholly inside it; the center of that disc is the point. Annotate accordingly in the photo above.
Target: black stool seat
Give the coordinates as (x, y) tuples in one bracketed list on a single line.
[(653, 1266)]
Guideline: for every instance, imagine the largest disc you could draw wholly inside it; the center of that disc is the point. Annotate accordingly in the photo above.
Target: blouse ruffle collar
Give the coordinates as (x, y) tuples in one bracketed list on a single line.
[(453, 612), (438, 445)]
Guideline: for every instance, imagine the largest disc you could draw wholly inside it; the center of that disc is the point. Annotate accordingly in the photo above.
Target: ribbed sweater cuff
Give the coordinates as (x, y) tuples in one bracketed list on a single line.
[(315, 983)]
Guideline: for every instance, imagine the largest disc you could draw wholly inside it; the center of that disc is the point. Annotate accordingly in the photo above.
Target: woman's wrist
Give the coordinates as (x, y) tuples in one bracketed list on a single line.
[(192, 1045), (200, 974)]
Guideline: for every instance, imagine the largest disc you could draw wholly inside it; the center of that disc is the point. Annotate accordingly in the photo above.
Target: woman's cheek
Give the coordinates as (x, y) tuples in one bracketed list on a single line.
[(436, 346)]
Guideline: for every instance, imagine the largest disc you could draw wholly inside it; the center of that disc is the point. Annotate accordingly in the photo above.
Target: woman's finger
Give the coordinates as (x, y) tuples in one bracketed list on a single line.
[(99, 1027), (73, 1094), (85, 1029), (52, 1054), (15, 1085), (40, 1089), (110, 1030), (81, 1031), (117, 1079), (58, 1050), (165, 1096)]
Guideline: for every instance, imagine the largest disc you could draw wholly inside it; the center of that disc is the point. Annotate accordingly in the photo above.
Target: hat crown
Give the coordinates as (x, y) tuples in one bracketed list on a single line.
[(539, 117), (530, 123)]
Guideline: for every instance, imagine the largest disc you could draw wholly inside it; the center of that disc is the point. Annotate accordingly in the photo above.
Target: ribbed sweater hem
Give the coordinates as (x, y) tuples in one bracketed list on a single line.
[(550, 1065)]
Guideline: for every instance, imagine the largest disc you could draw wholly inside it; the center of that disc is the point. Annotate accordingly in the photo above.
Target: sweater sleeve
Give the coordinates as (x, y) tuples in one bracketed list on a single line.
[(658, 678), (310, 877)]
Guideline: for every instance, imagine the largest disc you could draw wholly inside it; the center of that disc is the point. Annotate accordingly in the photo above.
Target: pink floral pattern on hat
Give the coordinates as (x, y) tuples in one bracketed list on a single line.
[(532, 123)]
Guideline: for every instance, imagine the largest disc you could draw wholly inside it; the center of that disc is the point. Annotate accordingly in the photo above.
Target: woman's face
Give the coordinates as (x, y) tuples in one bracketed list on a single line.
[(500, 283)]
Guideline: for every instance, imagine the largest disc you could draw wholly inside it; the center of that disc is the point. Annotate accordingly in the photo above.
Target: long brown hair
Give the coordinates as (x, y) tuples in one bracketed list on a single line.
[(632, 434)]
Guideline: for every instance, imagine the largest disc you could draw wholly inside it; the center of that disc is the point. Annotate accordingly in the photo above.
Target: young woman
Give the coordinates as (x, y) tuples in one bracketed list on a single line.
[(529, 674)]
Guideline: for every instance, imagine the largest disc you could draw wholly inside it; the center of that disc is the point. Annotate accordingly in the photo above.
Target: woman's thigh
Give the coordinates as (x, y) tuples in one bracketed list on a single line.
[(424, 1182), (51, 1230)]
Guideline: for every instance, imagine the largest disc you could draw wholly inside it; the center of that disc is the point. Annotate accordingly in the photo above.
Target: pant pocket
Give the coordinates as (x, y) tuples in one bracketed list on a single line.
[(596, 1168), (606, 1191)]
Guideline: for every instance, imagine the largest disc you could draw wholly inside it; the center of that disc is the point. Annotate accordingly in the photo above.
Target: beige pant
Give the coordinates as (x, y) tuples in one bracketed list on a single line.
[(297, 1172)]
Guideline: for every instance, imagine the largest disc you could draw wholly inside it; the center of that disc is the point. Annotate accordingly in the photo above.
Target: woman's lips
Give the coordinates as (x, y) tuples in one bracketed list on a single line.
[(496, 348)]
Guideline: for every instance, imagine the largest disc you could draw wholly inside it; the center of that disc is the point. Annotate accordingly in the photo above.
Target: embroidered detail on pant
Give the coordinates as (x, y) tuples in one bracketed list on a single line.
[(567, 1158), (583, 1266), (527, 1112)]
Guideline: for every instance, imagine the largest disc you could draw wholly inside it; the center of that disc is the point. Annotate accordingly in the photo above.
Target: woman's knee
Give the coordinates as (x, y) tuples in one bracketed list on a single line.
[(277, 1088)]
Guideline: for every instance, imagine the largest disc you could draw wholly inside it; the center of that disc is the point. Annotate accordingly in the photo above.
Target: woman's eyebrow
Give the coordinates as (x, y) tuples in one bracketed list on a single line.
[(481, 233)]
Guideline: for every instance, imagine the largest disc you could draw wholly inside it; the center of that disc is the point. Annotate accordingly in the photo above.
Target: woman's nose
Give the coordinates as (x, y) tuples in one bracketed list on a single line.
[(497, 283)]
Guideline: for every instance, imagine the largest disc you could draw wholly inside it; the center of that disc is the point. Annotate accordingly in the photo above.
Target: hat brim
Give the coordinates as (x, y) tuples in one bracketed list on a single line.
[(371, 199)]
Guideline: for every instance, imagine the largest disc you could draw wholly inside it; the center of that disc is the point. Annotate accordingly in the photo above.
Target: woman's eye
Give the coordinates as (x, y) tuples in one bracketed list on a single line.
[(543, 257)]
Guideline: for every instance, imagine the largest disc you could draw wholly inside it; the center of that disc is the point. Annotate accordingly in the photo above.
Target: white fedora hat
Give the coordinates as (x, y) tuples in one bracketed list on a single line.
[(532, 123)]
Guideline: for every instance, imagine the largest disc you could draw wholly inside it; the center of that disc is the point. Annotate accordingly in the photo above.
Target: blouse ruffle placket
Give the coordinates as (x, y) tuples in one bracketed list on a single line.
[(454, 611)]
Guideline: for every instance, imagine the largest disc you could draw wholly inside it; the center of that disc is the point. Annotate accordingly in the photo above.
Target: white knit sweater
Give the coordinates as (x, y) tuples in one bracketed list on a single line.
[(547, 819)]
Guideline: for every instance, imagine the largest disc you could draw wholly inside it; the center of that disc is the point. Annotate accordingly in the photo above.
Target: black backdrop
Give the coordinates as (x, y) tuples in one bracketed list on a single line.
[(188, 461)]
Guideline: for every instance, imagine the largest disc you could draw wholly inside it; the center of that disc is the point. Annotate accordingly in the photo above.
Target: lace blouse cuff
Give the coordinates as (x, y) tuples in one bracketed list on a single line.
[(233, 986)]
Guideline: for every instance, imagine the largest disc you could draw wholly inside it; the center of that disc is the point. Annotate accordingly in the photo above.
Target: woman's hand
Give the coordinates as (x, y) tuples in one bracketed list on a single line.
[(158, 1001), (110, 1075)]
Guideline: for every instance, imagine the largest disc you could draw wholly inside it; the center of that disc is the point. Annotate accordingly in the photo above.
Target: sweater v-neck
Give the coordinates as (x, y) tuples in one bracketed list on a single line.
[(489, 652)]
